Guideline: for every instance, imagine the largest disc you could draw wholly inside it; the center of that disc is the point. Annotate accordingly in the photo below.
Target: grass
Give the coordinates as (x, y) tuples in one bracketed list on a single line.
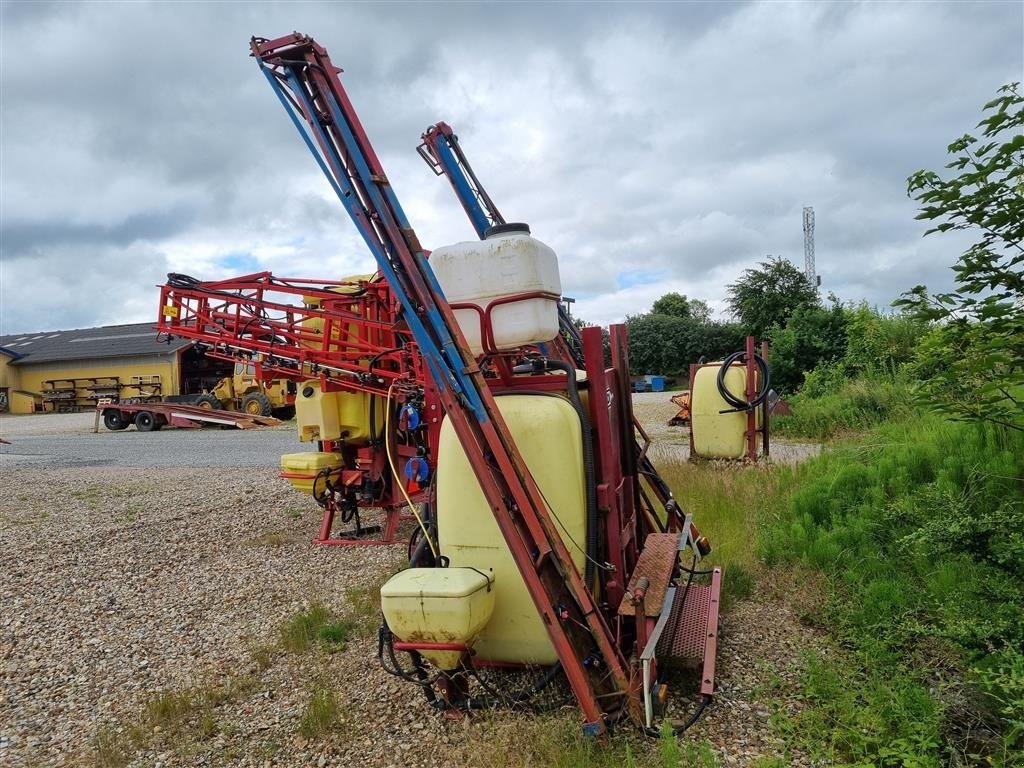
[(918, 528), (857, 405), (727, 501), (322, 714), (910, 533), (556, 740), (273, 539), (316, 626), (180, 718)]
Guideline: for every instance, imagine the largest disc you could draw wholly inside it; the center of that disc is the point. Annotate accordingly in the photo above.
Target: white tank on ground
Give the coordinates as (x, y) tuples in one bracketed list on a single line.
[(506, 263)]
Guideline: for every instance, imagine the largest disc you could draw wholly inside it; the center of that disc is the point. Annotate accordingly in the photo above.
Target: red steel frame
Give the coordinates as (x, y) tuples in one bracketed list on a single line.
[(346, 334)]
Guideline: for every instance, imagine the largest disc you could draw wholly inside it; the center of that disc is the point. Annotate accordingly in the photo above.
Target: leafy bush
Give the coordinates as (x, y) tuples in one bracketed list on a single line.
[(831, 405), (920, 527), (813, 335), (972, 363), (668, 344)]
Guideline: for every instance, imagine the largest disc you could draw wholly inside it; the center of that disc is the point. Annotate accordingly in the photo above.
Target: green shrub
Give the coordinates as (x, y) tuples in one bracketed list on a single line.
[(920, 527), (826, 408)]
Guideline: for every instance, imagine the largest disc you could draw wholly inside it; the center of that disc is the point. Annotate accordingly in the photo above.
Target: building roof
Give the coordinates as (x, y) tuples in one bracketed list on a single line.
[(86, 343)]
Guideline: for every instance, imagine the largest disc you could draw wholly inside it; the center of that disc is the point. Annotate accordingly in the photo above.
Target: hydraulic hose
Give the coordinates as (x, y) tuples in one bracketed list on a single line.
[(766, 381), (588, 468)]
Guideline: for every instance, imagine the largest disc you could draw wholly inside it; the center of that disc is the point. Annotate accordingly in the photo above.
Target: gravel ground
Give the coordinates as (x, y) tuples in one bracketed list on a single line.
[(149, 574)]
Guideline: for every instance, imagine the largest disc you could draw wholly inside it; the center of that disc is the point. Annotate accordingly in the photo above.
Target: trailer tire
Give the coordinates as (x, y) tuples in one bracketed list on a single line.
[(114, 420), (257, 404), (145, 421), (209, 402)]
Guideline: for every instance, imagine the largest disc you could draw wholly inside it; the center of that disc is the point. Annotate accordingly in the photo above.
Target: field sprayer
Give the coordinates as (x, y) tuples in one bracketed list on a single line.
[(545, 540)]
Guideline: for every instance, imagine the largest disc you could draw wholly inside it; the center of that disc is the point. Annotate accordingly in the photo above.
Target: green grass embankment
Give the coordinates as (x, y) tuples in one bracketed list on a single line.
[(918, 525)]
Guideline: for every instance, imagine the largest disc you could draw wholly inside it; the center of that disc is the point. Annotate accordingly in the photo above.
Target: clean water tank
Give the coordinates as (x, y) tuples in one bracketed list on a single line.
[(481, 272)]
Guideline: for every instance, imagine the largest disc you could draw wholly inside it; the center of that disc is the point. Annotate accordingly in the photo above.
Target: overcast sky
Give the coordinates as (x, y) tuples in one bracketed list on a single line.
[(655, 147)]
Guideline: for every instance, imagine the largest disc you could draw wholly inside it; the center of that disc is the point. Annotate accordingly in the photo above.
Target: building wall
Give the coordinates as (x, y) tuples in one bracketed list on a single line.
[(32, 378), (8, 382), (8, 375)]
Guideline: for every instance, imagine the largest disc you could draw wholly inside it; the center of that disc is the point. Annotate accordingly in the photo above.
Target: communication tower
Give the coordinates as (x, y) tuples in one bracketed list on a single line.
[(809, 270)]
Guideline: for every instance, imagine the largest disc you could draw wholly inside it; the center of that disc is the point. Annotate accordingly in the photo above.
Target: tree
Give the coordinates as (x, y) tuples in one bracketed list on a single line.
[(768, 296), (677, 305), (972, 362), (667, 344), (812, 335)]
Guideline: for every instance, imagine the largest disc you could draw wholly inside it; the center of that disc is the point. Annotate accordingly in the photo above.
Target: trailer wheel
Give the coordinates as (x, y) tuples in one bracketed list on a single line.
[(257, 404), (114, 420), (208, 401), (146, 422)]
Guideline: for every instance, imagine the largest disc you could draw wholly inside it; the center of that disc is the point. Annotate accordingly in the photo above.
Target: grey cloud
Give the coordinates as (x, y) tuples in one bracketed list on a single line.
[(680, 139), (24, 240)]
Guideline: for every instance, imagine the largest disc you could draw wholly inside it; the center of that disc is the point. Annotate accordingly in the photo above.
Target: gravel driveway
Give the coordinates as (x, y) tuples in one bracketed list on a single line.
[(136, 564)]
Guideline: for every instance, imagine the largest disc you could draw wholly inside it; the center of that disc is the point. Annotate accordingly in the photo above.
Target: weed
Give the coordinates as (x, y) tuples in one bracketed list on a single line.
[(166, 710), (915, 526), (846, 406), (737, 583), (316, 625), (268, 749), (364, 607), (299, 632), (321, 715), (697, 755), (333, 636), (273, 539), (263, 654), (109, 749), (184, 718)]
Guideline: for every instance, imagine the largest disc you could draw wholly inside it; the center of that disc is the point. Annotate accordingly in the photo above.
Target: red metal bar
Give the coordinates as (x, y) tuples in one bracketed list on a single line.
[(707, 683), (751, 393)]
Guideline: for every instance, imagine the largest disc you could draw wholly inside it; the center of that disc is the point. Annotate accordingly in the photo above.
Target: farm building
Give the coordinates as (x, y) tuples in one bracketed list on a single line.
[(70, 370)]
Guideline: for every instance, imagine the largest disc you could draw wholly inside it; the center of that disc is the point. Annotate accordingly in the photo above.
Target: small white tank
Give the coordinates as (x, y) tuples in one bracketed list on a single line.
[(507, 262)]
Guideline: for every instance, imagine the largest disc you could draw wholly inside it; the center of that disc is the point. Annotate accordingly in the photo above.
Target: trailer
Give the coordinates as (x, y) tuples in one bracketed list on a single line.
[(150, 417)]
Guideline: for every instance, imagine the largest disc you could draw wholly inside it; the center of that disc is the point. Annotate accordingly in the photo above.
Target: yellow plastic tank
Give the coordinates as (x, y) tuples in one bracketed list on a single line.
[(345, 333), (718, 435), (306, 466), (344, 416), (548, 434), (438, 605)]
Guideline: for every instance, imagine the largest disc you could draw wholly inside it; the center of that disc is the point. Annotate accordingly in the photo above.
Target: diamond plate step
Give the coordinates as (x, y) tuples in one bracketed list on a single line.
[(691, 632)]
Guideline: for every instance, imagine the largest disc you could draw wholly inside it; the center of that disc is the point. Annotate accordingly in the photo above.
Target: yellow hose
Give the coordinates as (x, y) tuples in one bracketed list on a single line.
[(394, 471)]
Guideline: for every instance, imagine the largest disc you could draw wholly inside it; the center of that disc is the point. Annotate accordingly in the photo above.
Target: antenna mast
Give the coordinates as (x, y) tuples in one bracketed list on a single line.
[(809, 269)]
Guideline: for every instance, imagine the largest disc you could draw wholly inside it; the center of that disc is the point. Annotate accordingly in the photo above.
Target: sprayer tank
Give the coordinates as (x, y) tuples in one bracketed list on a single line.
[(488, 274)]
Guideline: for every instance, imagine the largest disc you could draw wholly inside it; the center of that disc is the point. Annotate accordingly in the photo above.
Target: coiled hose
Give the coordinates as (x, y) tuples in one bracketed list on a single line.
[(736, 402)]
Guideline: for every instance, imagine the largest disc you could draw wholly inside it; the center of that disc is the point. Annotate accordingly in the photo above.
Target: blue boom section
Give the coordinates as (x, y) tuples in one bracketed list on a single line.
[(460, 181), (440, 351)]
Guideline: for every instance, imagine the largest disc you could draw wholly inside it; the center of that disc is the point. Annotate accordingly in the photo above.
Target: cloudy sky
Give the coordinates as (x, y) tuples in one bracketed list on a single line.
[(655, 147)]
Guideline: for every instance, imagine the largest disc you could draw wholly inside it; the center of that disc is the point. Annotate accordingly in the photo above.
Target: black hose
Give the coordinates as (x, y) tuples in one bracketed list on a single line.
[(588, 468), (679, 729), (508, 700), (766, 381)]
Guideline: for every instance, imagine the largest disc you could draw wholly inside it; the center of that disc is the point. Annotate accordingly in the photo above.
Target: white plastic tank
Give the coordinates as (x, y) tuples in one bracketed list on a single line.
[(506, 263)]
